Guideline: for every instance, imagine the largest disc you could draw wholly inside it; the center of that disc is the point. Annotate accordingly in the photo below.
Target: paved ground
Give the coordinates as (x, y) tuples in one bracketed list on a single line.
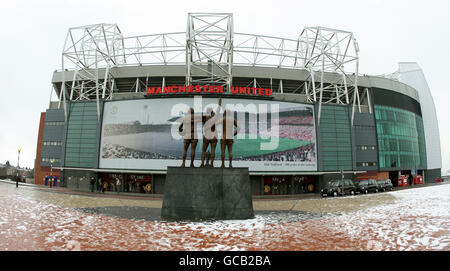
[(36, 218), (308, 203)]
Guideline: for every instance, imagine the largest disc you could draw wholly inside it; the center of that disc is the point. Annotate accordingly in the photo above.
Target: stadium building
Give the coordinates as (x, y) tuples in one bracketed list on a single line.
[(308, 115)]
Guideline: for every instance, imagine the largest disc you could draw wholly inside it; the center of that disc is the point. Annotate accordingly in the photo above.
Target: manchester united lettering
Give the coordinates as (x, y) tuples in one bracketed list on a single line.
[(210, 89)]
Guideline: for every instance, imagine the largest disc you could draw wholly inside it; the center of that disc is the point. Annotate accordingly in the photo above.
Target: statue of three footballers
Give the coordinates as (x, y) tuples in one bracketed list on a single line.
[(210, 122)]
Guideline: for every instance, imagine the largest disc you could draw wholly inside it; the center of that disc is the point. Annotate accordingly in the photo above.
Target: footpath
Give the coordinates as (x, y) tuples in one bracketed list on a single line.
[(67, 198)]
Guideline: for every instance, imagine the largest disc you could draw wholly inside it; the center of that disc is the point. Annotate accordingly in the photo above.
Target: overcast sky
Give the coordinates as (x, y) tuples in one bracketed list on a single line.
[(388, 32)]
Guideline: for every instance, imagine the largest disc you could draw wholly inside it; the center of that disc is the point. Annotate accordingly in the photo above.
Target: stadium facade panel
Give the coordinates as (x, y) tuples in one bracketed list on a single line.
[(303, 125)]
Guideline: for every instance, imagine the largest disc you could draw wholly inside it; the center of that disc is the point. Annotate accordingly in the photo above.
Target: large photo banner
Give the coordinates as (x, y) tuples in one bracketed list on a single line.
[(273, 136)]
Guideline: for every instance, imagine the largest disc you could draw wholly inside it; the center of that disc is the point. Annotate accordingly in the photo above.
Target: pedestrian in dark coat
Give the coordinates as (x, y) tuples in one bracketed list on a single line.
[(92, 184)]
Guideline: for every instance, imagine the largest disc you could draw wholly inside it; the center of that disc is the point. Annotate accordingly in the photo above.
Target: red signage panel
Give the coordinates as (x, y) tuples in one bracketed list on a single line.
[(210, 89)]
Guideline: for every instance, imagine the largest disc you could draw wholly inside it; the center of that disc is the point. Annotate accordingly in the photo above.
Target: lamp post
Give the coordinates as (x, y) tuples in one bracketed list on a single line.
[(18, 166), (51, 172), (18, 156)]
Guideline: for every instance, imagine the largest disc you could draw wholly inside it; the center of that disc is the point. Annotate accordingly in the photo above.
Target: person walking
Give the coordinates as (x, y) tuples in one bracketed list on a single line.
[(117, 185), (105, 185), (92, 184)]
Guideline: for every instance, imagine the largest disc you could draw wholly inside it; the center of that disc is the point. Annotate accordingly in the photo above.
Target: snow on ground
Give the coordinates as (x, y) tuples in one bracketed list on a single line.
[(418, 219)]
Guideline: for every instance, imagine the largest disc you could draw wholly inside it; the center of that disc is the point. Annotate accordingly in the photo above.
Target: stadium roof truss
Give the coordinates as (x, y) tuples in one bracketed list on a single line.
[(330, 50), (209, 49), (86, 50)]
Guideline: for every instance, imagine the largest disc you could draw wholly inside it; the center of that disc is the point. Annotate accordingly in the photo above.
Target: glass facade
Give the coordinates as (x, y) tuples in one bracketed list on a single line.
[(401, 140), (81, 143), (335, 138)]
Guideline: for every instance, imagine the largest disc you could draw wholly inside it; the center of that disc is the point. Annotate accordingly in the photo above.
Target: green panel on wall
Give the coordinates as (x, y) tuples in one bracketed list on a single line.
[(82, 133), (335, 138)]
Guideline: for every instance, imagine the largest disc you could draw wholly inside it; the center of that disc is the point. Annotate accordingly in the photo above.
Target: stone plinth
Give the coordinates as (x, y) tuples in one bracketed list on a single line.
[(207, 194)]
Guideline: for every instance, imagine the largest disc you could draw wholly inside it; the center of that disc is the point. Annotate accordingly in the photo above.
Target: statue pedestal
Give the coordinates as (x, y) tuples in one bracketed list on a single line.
[(207, 194)]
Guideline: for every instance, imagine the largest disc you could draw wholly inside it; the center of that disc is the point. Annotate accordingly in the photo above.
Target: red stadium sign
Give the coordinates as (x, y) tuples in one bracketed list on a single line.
[(208, 89)]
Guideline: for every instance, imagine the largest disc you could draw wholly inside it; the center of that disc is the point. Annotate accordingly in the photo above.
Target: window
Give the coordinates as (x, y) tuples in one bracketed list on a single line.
[(52, 143), (366, 148), (366, 164), (49, 160), (54, 123), (365, 128)]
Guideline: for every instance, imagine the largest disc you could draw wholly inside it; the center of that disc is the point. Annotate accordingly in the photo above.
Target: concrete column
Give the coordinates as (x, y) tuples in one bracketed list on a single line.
[(262, 185), (292, 184), (153, 183)]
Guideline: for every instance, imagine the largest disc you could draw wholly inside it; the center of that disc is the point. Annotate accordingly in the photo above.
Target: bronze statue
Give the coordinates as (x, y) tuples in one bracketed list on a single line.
[(228, 123), (187, 129), (210, 134)]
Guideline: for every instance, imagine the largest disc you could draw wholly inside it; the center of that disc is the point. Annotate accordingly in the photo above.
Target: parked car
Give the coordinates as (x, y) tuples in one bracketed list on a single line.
[(385, 185), (339, 188), (366, 186)]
